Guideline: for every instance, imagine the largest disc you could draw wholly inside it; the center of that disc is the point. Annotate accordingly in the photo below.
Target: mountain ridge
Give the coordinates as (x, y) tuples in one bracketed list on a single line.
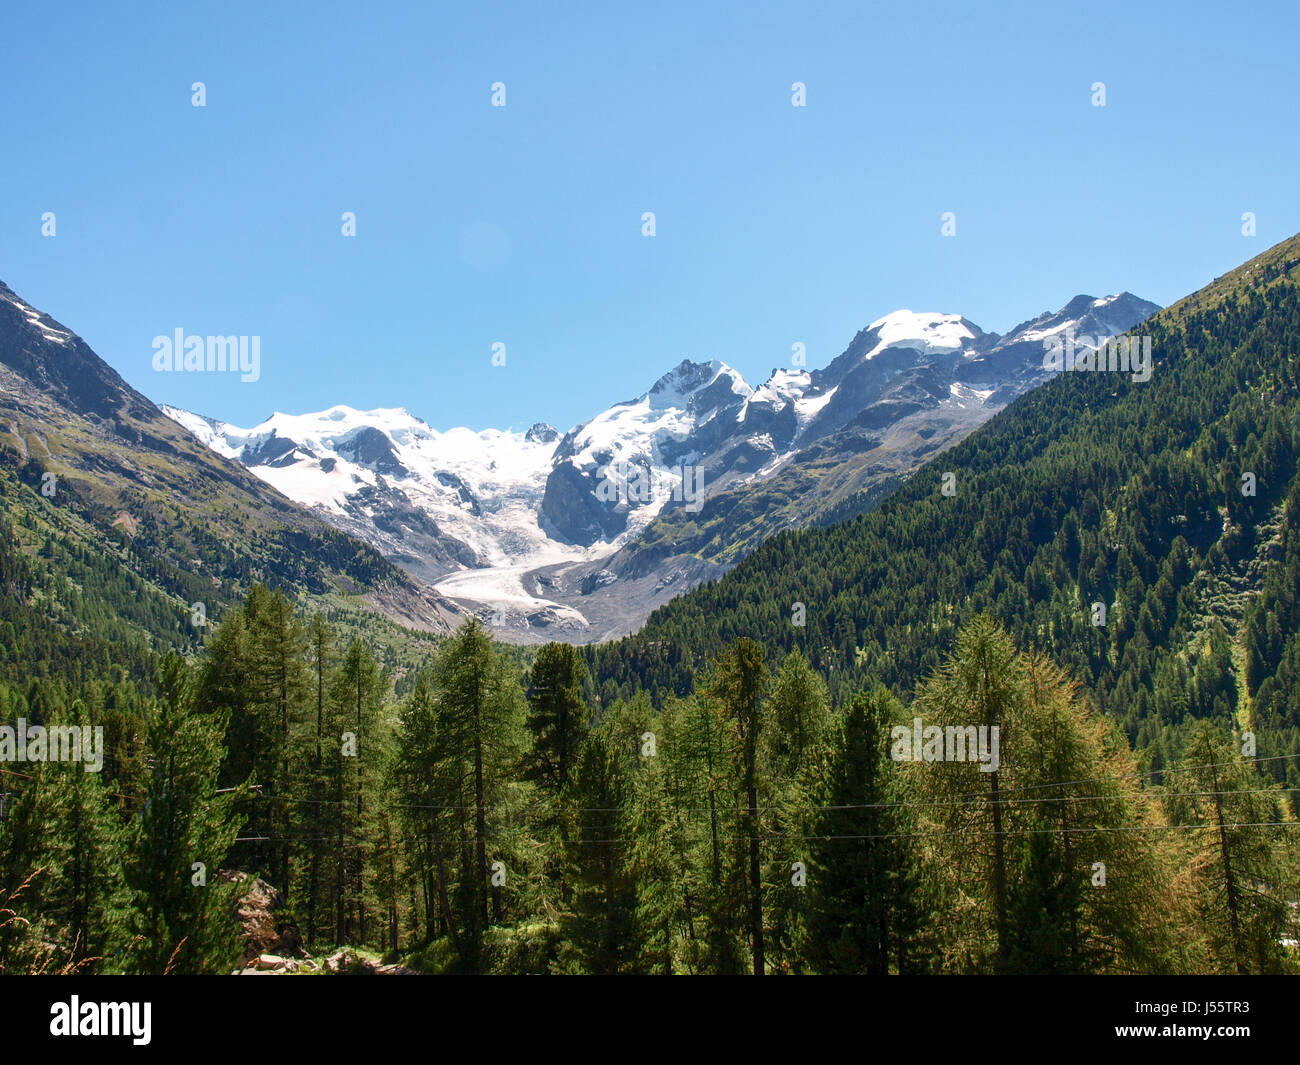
[(1094, 491), (539, 540), (76, 437)]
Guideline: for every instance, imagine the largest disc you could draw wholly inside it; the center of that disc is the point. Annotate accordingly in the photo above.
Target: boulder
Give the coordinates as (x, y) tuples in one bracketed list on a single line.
[(267, 930)]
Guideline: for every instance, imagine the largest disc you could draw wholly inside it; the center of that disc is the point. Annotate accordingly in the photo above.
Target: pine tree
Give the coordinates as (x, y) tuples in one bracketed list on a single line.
[(383, 828), (1239, 879), (1086, 888), (692, 761), (223, 686), (184, 912), (355, 762), (792, 759), (1045, 908), (799, 717), (430, 782), (84, 850), (557, 719), (480, 739), (277, 686), (739, 683), (557, 715), (1087, 840), (316, 823), (655, 859), (863, 877), (599, 925), (981, 686)]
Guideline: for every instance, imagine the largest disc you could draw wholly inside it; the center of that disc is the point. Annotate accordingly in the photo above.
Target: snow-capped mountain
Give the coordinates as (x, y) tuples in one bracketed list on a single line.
[(201, 531), (434, 501), (581, 535)]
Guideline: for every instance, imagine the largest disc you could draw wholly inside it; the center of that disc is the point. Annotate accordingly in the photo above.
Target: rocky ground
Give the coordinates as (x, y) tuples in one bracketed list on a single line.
[(273, 944)]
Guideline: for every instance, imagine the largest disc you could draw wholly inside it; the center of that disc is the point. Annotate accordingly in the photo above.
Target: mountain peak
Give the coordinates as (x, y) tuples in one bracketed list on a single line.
[(1084, 315), (1075, 308), (484, 513), (55, 361), (930, 333), (684, 382), (690, 373), (542, 433)]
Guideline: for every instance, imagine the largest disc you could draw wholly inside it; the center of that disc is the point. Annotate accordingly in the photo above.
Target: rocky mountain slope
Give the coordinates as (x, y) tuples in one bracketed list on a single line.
[(91, 468), (1143, 534), (579, 536)]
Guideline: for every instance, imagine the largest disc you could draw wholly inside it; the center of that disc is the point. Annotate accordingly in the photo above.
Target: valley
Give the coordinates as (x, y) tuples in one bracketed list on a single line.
[(581, 536)]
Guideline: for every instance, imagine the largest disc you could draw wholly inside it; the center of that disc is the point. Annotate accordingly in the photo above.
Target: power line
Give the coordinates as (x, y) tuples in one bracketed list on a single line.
[(975, 800), (903, 835)]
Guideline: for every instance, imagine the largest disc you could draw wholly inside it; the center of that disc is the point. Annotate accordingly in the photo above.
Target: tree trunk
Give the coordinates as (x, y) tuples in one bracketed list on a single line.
[(755, 879), (1229, 881), (361, 871), (999, 850), (480, 807), (443, 902)]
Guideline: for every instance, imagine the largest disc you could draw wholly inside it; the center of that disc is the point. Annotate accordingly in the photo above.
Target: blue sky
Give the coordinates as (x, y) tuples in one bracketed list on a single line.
[(522, 225)]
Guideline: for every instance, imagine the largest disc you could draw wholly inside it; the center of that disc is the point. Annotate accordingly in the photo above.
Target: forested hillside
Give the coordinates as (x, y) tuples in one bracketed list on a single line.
[(1092, 489), (490, 821), (91, 469), (1043, 722)]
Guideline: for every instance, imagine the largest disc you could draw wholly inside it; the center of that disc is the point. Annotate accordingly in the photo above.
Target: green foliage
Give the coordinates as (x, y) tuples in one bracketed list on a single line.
[(864, 870), (1091, 488), (666, 803), (183, 920), (1233, 855)]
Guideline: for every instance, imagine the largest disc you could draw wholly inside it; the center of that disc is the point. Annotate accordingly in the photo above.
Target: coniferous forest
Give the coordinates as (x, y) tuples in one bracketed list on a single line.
[(490, 820), (731, 790), (724, 792)]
